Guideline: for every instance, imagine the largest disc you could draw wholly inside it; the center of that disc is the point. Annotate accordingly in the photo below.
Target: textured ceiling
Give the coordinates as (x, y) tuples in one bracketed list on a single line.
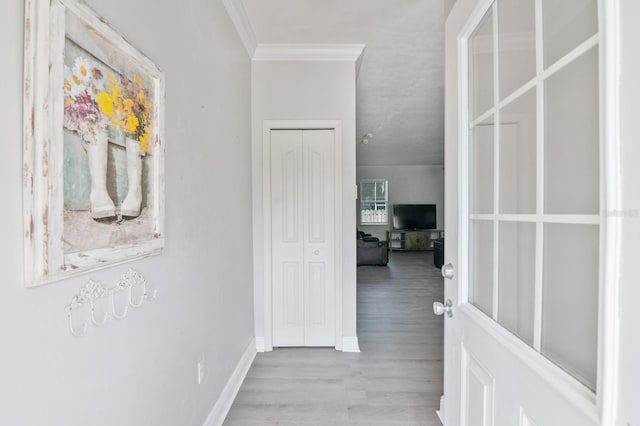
[(400, 92)]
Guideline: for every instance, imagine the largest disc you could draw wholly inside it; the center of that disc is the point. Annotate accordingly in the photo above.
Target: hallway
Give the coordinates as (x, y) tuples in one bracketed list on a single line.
[(395, 380)]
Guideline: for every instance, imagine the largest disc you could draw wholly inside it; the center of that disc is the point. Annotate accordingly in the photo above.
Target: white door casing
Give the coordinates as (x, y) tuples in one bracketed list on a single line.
[(491, 376), (302, 178)]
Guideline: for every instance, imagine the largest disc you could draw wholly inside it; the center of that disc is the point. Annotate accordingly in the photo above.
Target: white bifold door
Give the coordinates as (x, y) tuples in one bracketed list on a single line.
[(525, 342), (303, 249)]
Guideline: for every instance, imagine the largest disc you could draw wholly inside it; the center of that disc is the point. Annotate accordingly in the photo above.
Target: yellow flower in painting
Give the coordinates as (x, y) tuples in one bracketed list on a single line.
[(142, 98), (67, 85), (105, 102), (68, 100), (83, 70), (127, 105), (137, 80), (116, 92), (76, 80), (132, 123), (144, 141)]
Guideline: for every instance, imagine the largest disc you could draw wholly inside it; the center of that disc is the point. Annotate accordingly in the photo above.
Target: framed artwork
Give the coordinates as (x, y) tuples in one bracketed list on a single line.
[(93, 145)]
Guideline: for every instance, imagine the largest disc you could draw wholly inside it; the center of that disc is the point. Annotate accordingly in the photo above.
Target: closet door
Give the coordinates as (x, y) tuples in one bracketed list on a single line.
[(318, 235), (287, 225), (303, 249)]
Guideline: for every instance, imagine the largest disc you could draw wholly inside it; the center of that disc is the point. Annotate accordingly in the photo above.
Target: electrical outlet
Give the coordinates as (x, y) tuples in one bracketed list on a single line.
[(201, 369)]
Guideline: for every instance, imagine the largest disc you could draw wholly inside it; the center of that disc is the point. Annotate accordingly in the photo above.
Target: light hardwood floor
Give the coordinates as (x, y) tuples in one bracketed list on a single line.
[(396, 380)]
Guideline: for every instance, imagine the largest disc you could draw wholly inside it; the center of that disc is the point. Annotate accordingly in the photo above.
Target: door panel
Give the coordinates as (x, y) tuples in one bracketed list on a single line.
[(319, 236), (291, 202), (287, 238), (522, 213), (291, 295), (478, 393), (303, 237)]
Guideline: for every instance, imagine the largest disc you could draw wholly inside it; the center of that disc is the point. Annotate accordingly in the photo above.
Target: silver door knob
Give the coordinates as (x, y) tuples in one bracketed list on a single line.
[(443, 308), (447, 271), (317, 252)]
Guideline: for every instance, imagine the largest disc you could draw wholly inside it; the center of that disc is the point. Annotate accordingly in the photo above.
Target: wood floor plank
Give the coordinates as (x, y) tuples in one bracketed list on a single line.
[(396, 380)]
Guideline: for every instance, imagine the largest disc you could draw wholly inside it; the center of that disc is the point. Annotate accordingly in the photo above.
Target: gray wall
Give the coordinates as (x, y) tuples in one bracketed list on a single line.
[(448, 5), (142, 370), (407, 185), (308, 90)]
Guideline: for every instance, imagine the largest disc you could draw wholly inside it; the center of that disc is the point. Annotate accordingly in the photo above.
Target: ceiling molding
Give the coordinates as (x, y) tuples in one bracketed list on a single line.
[(240, 20), (309, 52)]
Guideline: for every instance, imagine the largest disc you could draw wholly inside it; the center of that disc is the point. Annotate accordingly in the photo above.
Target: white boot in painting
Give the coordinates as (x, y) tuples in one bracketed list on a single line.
[(132, 202), (101, 204)]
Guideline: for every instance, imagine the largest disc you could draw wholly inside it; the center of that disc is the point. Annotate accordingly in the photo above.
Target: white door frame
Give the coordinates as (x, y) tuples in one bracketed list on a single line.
[(603, 404), (267, 126)]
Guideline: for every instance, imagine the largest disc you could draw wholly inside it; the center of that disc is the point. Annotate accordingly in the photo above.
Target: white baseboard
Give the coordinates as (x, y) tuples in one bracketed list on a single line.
[(350, 344), (223, 404), (260, 343), (440, 412)]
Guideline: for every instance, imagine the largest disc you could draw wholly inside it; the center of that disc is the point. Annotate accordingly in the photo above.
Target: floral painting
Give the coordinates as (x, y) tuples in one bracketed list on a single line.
[(109, 115), (105, 137)]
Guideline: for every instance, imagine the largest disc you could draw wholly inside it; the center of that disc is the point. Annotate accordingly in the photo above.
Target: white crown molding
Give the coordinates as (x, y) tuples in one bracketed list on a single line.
[(308, 52), (240, 20)]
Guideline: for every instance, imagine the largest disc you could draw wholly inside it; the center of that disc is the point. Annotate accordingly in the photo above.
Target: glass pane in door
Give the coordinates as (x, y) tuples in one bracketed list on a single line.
[(516, 44), (481, 265), (518, 155), (566, 24), (516, 282), (481, 167), (570, 298), (481, 66), (571, 148)]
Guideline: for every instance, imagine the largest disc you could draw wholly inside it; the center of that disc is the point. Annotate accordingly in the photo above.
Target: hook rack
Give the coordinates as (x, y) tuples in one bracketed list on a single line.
[(93, 293)]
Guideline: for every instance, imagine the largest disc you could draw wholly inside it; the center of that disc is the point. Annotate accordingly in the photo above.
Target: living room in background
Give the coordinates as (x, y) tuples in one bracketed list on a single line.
[(374, 202)]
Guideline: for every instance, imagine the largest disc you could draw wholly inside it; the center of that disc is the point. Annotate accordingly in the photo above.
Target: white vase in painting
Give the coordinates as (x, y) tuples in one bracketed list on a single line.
[(101, 204), (131, 205)]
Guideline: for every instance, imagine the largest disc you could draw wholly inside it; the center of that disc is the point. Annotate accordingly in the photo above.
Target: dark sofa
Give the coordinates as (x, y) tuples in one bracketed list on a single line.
[(372, 251)]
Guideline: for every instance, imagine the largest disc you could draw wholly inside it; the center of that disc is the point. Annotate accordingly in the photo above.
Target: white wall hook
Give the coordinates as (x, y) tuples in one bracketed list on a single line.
[(72, 329), (93, 291), (152, 297), (104, 319), (115, 312)]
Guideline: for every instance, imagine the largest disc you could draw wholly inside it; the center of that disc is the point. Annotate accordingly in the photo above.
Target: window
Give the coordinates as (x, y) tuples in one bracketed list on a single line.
[(374, 202), (533, 210)]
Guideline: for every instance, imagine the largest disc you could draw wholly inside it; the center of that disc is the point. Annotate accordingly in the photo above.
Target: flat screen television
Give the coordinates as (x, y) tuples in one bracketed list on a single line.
[(414, 216)]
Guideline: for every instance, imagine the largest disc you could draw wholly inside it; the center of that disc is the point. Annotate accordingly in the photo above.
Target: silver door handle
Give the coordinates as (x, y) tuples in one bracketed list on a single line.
[(317, 252), (447, 271), (443, 308)]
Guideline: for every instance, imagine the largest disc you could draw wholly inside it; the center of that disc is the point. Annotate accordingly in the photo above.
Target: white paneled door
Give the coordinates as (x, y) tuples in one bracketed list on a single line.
[(525, 188), (302, 225)]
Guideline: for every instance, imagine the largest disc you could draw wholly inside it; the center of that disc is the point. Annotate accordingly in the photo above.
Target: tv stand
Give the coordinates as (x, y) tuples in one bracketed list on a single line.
[(410, 239)]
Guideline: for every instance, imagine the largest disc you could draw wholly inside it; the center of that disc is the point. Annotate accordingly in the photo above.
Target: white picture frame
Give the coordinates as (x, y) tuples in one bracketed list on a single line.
[(75, 60)]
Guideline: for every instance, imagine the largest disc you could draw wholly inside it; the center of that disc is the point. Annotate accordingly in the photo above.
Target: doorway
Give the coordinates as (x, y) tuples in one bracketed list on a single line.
[(303, 284)]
